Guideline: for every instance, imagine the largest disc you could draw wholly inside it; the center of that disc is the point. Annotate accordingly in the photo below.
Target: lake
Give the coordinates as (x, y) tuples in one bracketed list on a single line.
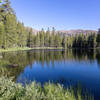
[(76, 68)]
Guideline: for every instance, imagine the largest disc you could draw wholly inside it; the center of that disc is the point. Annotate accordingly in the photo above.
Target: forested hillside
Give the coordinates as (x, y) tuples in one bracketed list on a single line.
[(13, 33), (60, 39)]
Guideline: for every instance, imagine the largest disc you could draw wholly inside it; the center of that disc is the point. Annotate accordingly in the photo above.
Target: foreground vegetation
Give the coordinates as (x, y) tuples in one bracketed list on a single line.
[(12, 91)]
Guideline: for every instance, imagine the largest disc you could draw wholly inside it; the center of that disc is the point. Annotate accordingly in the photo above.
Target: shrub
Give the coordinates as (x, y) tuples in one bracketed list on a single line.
[(12, 91)]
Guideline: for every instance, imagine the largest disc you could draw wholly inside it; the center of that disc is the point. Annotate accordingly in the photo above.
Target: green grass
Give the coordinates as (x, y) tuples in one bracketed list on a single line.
[(26, 48), (47, 48), (15, 49), (12, 91)]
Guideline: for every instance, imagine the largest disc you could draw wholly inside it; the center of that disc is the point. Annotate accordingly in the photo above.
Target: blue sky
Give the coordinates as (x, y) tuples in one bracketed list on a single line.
[(61, 14)]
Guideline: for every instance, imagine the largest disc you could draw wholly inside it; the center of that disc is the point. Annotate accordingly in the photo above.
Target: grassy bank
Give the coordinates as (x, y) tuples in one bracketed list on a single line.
[(14, 49), (26, 48), (48, 48), (12, 91)]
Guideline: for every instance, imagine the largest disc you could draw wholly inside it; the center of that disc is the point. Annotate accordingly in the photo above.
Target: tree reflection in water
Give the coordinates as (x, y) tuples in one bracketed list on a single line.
[(12, 64)]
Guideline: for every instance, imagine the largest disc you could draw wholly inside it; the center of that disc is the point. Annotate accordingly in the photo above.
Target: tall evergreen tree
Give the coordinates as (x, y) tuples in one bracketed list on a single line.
[(42, 35), (37, 40), (47, 38), (58, 40), (65, 41), (10, 26), (52, 37), (2, 34), (30, 39), (98, 38)]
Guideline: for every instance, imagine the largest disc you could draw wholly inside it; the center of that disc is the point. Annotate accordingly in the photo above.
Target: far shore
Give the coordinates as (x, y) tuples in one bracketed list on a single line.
[(40, 48), (27, 48)]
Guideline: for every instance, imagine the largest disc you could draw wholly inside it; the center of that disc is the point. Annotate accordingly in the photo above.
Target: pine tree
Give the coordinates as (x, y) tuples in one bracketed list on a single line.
[(42, 35), (65, 41), (23, 36), (52, 37), (98, 38), (11, 33), (58, 40), (2, 33), (19, 32), (47, 38), (30, 39), (5, 9), (0, 1), (37, 40)]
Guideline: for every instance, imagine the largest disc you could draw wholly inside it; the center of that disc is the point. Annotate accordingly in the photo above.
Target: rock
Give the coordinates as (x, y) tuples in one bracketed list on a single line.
[(1, 57), (15, 65)]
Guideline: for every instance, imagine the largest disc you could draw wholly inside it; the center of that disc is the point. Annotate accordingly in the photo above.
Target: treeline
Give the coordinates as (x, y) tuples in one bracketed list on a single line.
[(14, 34), (57, 39)]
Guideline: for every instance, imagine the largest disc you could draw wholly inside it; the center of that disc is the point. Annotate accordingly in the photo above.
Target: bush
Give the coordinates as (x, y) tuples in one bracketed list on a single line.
[(12, 91)]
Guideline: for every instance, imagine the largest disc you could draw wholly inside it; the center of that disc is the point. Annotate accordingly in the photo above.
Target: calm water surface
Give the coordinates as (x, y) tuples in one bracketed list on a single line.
[(69, 68)]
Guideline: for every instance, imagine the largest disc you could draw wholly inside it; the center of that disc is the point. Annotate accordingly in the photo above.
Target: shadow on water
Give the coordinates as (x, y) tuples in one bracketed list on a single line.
[(69, 68)]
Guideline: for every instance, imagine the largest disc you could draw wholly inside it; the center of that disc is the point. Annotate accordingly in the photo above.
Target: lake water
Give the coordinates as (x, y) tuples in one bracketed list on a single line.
[(69, 68)]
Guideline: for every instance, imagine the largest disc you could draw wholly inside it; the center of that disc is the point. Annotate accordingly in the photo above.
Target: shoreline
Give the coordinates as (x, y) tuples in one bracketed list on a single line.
[(27, 48), (14, 49), (41, 48)]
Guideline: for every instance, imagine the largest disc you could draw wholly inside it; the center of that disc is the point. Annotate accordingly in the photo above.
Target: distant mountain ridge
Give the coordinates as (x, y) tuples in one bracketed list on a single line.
[(77, 31), (69, 32)]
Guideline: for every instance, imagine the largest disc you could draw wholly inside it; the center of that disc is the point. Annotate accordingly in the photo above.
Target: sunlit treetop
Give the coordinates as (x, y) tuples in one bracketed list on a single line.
[(0, 1)]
